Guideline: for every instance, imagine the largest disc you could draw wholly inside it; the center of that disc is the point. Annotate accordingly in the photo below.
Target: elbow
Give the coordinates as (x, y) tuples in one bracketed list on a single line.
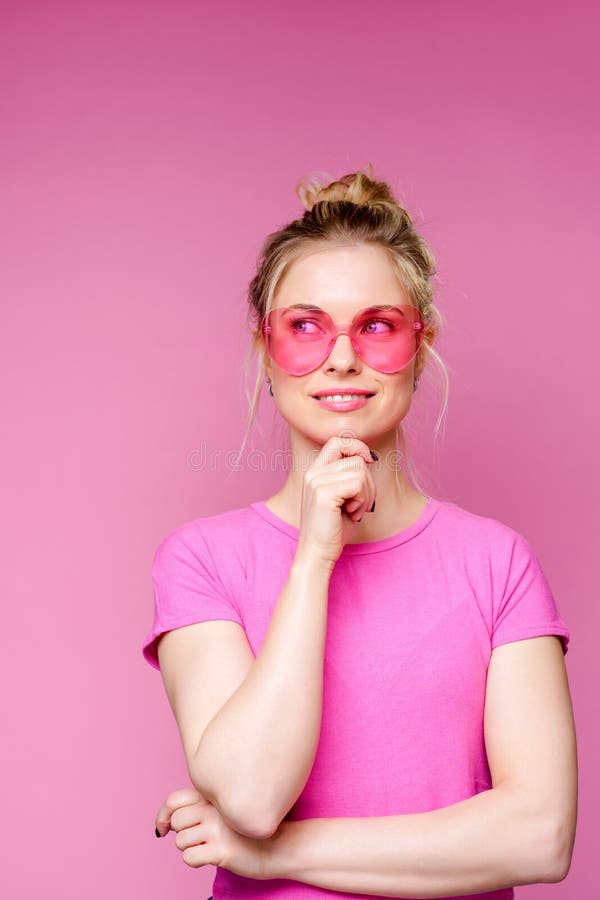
[(557, 840), (542, 843), (251, 822), (263, 823), (248, 822), (257, 823)]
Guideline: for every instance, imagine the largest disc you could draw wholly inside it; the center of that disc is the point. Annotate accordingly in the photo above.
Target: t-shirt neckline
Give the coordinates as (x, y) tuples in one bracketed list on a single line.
[(401, 537)]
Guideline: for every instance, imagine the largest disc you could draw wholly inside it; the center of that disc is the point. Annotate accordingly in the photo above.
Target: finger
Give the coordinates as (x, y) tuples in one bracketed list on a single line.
[(340, 446), (358, 510), (353, 504), (347, 483), (357, 506), (187, 816), (200, 855), (370, 495), (341, 485), (351, 494), (163, 822), (354, 463), (190, 836), (183, 797)]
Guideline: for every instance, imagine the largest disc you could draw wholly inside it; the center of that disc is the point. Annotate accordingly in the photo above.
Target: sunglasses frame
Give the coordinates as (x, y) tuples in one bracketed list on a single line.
[(345, 328)]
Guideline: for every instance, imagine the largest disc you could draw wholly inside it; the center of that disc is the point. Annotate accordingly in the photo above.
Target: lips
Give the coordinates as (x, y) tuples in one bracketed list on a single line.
[(342, 392)]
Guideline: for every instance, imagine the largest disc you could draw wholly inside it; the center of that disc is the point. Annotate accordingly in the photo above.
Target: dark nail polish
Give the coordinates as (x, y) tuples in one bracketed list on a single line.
[(157, 832), (373, 455), (373, 507)]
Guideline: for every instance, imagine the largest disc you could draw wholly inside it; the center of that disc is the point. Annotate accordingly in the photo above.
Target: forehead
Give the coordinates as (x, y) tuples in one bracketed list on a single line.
[(341, 280), (313, 307)]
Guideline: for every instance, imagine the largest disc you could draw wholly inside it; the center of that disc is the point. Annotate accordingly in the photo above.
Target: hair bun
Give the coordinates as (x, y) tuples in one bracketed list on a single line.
[(357, 187), (310, 188)]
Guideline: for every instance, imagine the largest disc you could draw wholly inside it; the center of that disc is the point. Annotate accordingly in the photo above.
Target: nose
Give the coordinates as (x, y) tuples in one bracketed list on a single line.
[(343, 356)]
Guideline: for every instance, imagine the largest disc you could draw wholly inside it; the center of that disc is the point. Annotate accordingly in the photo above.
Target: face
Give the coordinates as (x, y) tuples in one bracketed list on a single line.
[(342, 281)]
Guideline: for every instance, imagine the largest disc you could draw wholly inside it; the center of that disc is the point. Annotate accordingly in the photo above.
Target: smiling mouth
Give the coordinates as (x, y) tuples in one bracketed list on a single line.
[(342, 397)]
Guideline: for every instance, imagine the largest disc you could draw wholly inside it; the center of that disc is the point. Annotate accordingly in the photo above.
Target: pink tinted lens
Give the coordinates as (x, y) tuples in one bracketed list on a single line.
[(387, 340), (300, 340), (297, 339)]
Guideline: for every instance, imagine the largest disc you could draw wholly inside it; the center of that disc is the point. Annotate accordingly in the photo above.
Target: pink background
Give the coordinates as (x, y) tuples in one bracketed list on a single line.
[(147, 148)]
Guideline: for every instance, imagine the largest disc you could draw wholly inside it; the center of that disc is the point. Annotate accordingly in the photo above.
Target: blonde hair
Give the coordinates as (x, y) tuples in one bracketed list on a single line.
[(353, 210)]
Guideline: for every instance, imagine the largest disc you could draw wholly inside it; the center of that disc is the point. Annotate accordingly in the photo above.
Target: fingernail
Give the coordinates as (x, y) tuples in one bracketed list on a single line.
[(373, 455), (157, 832), (373, 507)]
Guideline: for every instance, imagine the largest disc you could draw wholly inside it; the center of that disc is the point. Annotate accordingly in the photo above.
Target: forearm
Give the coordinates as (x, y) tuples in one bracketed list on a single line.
[(487, 842), (256, 754)]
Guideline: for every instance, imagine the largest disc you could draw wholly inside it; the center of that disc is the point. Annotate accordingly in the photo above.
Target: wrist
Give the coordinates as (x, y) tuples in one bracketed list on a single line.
[(281, 856), (310, 560)]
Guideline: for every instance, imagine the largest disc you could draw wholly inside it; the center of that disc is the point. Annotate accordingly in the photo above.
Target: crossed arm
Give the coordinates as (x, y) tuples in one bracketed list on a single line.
[(521, 831), (228, 704)]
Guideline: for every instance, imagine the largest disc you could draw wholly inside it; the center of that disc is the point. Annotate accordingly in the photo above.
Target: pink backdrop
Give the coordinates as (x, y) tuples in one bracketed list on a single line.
[(147, 148)]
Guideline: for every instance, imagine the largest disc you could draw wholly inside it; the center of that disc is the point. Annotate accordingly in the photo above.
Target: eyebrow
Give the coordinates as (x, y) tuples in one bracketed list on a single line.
[(313, 306)]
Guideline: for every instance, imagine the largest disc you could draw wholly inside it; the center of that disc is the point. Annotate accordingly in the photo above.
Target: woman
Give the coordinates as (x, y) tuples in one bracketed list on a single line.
[(369, 682)]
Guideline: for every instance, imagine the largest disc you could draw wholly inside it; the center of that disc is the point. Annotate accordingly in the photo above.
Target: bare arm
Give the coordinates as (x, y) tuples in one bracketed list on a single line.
[(250, 725), (255, 755), (484, 843), (521, 831)]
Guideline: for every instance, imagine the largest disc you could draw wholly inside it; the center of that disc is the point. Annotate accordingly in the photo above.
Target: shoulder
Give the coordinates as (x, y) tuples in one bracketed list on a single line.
[(477, 531), (198, 574), (206, 538), (507, 578), (230, 524), (490, 551)]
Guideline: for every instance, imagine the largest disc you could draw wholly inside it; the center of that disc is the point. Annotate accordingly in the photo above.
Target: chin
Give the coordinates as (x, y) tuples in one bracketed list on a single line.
[(339, 426)]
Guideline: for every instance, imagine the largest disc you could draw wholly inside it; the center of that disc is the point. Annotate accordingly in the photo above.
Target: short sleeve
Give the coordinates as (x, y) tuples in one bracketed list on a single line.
[(527, 607), (187, 589)]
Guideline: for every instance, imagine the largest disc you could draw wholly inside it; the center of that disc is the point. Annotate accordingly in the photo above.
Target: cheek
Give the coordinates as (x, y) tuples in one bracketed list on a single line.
[(400, 384), (292, 393), (397, 397)]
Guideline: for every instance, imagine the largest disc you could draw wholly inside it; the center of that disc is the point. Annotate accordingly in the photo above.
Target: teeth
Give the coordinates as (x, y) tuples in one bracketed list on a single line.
[(338, 397)]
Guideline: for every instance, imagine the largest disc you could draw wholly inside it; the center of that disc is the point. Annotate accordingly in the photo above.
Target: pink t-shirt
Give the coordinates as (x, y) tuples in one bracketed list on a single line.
[(412, 621)]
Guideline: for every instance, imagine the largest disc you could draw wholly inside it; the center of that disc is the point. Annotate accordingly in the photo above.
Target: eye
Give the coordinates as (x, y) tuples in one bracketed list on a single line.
[(304, 326), (385, 326)]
